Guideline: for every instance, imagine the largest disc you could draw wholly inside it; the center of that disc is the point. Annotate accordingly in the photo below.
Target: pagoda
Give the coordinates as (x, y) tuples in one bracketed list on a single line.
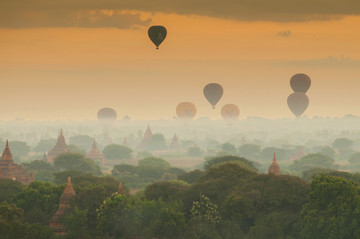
[(274, 167), (10, 170), (55, 222), (146, 139), (175, 145), (125, 143), (44, 158), (95, 154), (59, 148)]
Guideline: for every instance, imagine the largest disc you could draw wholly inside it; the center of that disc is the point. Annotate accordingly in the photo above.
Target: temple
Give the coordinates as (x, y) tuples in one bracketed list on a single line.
[(120, 190), (59, 148), (299, 154), (147, 138), (10, 170), (55, 222), (175, 145), (125, 143), (96, 155), (274, 167), (44, 158)]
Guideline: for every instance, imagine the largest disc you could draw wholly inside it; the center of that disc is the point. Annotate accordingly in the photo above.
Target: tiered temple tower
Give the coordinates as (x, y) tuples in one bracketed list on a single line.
[(59, 148), (147, 137), (274, 167), (10, 170), (95, 154), (65, 200), (175, 145)]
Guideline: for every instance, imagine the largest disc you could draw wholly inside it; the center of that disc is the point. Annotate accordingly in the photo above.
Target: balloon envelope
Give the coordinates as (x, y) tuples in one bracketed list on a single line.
[(213, 93), (186, 110), (300, 83), (157, 35), (107, 114), (298, 103), (230, 112)]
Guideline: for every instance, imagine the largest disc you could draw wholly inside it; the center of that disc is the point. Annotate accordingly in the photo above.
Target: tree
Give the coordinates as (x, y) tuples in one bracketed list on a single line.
[(119, 217), (194, 151), (116, 151), (84, 142), (342, 143), (9, 213), (8, 189), (75, 161), (205, 215), (250, 151), (157, 142), (44, 145), (19, 149), (313, 161), (39, 200), (154, 162), (215, 161), (333, 210), (73, 148), (43, 171), (230, 149), (190, 177), (166, 191), (267, 228)]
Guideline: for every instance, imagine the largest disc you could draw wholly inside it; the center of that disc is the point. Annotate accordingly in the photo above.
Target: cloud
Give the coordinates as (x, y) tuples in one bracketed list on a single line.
[(323, 62), (38, 13), (284, 34), (72, 18)]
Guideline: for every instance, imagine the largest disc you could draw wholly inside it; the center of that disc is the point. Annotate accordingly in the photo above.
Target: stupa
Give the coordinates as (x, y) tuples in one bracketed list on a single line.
[(95, 154), (59, 148), (146, 139), (274, 167), (56, 221), (175, 145)]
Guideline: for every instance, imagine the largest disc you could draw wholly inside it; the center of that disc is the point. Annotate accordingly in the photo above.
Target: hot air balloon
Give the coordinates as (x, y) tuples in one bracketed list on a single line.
[(230, 112), (300, 83), (186, 110), (107, 115), (213, 93), (157, 35), (298, 103)]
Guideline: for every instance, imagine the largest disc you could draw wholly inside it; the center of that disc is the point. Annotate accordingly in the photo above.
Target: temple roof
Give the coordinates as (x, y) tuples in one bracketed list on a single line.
[(148, 134), (68, 193), (44, 158), (175, 143), (274, 167), (7, 155)]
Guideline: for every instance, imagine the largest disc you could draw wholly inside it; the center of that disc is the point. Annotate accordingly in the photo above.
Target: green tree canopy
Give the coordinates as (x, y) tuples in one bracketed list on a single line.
[(333, 210), (215, 161), (342, 143), (250, 151), (44, 145), (194, 151), (8, 189), (313, 161), (116, 151), (84, 142), (157, 142), (154, 162), (230, 149), (75, 161)]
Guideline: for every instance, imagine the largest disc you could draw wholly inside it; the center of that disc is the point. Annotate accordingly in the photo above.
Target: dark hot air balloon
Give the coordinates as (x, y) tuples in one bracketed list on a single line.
[(157, 35), (300, 83), (298, 103), (230, 112), (213, 93), (186, 110), (107, 115)]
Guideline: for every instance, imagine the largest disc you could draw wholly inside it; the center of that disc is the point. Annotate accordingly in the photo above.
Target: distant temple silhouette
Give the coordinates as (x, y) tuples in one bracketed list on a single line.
[(55, 222), (125, 143), (146, 139), (274, 167), (10, 170), (175, 145), (59, 148), (95, 154)]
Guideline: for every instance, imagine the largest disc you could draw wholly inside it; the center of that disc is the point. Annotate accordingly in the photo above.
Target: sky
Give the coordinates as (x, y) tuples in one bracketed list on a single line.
[(67, 59)]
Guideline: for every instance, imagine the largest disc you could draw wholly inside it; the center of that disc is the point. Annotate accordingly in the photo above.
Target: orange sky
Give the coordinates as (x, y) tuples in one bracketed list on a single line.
[(69, 73)]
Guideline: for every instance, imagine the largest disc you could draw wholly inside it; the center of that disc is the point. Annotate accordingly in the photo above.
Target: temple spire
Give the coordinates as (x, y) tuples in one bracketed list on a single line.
[(120, 190), (274, 167), (7, 155)]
